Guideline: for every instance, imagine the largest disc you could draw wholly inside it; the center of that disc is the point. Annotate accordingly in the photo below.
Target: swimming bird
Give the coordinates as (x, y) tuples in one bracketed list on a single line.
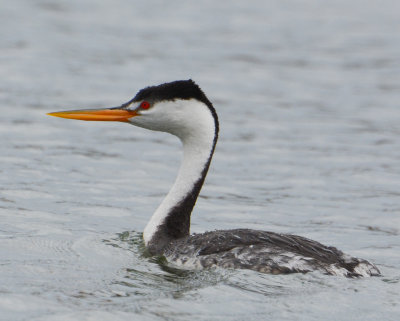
[(182, 109)]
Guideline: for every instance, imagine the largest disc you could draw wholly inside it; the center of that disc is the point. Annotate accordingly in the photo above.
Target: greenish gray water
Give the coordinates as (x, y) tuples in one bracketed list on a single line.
[(308, 99)]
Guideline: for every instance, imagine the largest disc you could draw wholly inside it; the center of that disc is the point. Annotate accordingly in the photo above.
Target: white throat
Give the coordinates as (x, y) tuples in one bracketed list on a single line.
[(197, 132)]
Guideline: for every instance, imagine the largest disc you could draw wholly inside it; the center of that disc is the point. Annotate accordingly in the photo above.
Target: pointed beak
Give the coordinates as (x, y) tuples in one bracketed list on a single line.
[(106, 114)]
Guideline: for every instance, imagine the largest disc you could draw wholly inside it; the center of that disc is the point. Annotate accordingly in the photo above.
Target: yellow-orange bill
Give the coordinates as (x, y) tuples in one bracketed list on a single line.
[(107, 114)]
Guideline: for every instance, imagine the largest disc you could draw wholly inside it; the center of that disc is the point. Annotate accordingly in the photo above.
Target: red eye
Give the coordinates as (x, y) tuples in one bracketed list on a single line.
[(145, 105)]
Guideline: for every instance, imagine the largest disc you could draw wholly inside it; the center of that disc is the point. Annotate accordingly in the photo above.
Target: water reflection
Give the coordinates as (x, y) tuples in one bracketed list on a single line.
[(307, 95)]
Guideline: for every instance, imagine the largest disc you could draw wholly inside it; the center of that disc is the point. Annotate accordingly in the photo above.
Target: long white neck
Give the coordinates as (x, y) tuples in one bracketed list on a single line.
[(171, 220)]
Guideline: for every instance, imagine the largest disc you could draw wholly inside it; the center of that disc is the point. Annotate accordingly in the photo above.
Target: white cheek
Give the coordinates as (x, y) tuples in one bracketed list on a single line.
[(178, 117), (147, 119)]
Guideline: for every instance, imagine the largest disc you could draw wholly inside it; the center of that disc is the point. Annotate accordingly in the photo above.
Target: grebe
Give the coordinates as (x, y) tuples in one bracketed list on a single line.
[(181, 108)]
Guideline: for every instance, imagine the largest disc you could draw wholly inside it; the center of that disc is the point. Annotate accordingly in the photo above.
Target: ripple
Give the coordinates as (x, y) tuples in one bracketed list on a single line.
[(307, 99)]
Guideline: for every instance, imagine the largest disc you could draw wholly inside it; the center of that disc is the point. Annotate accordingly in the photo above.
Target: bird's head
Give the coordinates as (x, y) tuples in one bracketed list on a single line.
[(180, 108)]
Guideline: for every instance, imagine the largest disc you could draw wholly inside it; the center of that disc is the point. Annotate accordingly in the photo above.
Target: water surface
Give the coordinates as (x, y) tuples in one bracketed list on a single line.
[(308, 99)]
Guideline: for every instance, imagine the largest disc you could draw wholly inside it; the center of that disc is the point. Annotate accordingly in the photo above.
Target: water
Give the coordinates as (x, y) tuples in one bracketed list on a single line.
[(308, 98)]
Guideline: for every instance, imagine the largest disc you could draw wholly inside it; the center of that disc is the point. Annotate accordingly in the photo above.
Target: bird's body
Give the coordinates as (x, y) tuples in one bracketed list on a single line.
[(263, 251), (182, 109)]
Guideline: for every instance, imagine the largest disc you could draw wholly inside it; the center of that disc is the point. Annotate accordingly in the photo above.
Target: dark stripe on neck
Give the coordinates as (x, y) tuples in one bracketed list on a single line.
[(177, 223)]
